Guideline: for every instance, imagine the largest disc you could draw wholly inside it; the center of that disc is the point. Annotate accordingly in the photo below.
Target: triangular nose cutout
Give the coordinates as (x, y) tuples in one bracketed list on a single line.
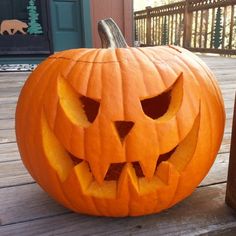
[(123, 128)]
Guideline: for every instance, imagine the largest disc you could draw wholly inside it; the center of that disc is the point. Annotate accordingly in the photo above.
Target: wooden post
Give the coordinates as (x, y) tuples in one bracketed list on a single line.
[(188, 20), (149, 26), (231, 181)]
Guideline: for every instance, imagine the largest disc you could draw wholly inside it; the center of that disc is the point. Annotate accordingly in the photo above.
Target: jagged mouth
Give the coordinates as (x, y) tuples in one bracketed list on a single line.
[(119, 175), (115, 169)]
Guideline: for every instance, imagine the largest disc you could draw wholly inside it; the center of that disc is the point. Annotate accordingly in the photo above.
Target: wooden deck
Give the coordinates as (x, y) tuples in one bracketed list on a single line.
[(26, 210)]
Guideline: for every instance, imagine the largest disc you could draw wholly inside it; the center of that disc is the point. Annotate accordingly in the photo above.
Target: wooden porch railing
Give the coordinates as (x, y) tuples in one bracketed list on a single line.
[(198, 25)]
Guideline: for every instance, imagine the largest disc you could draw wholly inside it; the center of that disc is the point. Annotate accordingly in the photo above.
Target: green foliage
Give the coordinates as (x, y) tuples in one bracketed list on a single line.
[(178, 31), (217, 35), (235, 24), (34, 25), (165, 33)]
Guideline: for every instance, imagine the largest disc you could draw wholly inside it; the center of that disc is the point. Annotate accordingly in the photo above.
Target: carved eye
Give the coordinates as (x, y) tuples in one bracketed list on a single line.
[(90, 107), (165, 105), (156, 107), (81, 110)]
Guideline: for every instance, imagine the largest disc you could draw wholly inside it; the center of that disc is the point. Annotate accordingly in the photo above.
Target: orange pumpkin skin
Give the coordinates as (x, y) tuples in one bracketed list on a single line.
[(70, 156)]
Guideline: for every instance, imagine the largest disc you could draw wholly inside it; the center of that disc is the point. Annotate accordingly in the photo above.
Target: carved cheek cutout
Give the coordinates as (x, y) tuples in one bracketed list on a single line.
[(166, 105)]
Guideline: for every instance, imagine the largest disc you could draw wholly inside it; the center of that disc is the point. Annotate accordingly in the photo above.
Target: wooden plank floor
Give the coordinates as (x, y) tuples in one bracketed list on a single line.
[(26, 210)]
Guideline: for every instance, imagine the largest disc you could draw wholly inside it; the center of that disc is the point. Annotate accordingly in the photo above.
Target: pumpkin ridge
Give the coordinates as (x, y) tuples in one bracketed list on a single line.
[(166, 50), (25, 106), (156, 69), (94, 83), (78, 77), (143, 51), (95, 55), (39, 100), (140, 66), (122, 86), (36, 83)]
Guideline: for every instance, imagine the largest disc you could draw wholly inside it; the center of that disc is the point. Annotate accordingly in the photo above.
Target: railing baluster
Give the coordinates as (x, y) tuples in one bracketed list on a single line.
[(196, 25), (231, 27), (148, 25), (224, 28), (168, 20), (179, 29), (200, 33), (172, 28), (153, 31), (212, 26), (188, 21), (182, 30), (206, 28), (159, 31)]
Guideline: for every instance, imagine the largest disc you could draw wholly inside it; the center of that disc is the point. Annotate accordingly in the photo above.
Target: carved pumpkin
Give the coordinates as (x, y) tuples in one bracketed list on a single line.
[(117, 132)]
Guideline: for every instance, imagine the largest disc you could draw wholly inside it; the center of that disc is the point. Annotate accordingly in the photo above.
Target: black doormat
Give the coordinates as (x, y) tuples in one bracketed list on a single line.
[(17, 67)]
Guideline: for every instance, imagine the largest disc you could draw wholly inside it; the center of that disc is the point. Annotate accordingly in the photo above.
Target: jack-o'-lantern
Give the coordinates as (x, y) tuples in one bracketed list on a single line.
[(117, 132)]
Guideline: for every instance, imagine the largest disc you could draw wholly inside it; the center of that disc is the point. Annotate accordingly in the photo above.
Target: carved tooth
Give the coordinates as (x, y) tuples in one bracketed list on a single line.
[(89, 186), (84, 175), (122, 186), (163, 171), (99, 169), (148, 166), (128, 181), (167, 172)]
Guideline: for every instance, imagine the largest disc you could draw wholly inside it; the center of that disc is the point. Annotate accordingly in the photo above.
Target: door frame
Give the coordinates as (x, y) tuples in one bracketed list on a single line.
[(86, 25)]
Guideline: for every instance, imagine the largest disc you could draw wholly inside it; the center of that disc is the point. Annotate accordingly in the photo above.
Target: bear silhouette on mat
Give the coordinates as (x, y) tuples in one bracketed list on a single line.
[(12, 26)]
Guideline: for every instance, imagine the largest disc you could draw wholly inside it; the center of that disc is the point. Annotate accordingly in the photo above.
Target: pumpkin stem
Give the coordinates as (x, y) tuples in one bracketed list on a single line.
[(110, 34)]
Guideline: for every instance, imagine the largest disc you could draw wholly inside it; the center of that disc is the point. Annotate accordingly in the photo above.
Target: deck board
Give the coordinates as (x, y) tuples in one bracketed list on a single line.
[(196, 215), (26, 210)]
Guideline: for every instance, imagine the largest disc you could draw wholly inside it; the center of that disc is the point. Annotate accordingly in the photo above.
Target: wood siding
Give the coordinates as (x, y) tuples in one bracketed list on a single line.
[(120, 10)]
